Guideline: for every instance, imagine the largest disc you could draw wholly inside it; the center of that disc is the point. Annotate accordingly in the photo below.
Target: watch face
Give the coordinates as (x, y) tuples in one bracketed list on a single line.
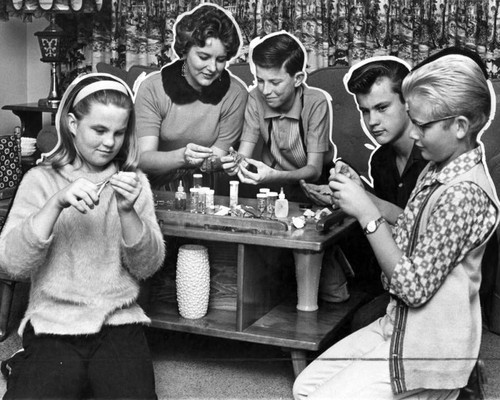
[(371, 226)]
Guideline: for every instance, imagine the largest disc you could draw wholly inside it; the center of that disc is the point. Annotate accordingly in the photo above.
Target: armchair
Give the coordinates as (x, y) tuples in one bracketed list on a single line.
[(10, 176)]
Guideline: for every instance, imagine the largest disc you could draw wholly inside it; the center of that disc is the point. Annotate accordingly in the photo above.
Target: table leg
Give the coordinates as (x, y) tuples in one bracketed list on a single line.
[(299, 361), (307, 270)]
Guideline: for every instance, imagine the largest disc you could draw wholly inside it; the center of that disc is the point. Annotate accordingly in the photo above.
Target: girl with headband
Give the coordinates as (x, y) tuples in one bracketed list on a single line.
[(83, 229)]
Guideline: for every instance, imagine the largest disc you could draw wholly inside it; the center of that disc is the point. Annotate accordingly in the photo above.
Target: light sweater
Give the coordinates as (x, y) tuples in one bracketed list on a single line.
[(84, 276)]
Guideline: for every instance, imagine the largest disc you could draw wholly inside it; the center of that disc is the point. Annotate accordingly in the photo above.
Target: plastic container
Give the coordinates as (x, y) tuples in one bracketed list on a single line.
[(281, 206), (180, 198), (233, 193), (197, 180)]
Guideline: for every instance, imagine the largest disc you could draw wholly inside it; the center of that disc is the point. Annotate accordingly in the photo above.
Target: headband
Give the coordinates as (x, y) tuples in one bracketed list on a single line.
[(98, 86)]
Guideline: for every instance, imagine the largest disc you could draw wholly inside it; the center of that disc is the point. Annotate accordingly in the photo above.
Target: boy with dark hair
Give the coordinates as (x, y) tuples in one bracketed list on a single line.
[(293, 120), (394, 166)]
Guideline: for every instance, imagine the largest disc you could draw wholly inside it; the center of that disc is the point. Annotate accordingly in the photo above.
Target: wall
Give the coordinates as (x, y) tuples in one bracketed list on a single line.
[(38, 73), (25, 77)]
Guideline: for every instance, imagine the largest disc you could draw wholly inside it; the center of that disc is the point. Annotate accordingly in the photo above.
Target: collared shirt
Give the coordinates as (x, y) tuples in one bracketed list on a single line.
[(461, 220), (388, 183), (310, 105)]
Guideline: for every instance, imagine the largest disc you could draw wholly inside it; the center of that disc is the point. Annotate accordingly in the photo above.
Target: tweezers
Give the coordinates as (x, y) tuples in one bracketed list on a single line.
[(101, 186)]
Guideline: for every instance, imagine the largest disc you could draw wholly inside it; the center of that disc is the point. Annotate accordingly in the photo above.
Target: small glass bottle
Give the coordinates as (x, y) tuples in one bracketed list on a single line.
[(193, 200), (180, 198), (281, 206), (261, 203)]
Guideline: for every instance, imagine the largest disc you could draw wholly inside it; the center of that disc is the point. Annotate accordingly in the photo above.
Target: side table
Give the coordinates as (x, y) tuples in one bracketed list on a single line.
[(30, 115)]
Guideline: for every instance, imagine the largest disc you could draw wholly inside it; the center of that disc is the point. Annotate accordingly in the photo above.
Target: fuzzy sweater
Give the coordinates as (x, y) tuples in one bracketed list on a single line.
[(84, 276)]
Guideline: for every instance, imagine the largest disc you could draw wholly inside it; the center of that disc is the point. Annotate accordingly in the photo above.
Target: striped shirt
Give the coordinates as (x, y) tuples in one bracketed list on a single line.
[(287, 151)]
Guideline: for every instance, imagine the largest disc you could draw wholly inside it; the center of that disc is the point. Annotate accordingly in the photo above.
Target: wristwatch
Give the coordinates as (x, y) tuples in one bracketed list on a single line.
[(372, 226)]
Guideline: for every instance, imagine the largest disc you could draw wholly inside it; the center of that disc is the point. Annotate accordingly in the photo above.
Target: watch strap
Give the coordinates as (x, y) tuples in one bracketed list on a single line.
[(377, 222)]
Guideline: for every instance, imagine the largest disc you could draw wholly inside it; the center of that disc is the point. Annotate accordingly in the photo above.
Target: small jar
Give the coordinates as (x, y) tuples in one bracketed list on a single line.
[(209, 201), (270, 203), (201, 201), (261, 203), (197, 180)]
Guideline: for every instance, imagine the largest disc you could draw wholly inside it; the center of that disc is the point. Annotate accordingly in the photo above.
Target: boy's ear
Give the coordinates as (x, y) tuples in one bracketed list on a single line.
[(299, 78), (463, 124), (72, 123)]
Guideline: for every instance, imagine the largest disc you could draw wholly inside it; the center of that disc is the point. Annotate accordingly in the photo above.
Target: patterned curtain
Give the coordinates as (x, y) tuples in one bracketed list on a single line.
[(334, 32)]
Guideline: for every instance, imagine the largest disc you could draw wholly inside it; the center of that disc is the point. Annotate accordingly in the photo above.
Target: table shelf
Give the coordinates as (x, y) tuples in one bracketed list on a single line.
[(282, 326)]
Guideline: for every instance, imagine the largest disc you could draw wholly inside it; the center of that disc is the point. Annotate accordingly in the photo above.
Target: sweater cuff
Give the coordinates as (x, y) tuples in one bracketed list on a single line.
[(28, 231)]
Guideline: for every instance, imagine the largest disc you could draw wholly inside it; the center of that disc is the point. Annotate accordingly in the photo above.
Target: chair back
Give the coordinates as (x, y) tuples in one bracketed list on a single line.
[(242, 71), (10, 164), (347, 133)]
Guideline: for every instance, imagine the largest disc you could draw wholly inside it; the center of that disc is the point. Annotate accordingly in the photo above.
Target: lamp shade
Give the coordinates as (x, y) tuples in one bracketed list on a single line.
[(52, 43), (57, 6)]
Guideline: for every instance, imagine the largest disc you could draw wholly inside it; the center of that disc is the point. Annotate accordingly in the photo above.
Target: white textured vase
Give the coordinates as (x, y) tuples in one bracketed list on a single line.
[(193, 281)]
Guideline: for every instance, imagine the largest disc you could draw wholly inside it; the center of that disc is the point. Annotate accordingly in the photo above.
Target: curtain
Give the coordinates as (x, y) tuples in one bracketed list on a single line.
[(334, 32)]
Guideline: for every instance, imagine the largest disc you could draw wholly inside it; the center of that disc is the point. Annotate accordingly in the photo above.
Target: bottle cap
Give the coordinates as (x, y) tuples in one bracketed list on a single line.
[(180, 188), (282, 194)]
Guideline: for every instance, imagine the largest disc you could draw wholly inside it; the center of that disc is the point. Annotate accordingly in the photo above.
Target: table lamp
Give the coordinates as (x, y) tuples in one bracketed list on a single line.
[(53, 49), (52, 40)]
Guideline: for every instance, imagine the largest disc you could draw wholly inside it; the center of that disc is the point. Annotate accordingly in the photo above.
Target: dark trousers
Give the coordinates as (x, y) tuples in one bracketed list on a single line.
[(112, 364)]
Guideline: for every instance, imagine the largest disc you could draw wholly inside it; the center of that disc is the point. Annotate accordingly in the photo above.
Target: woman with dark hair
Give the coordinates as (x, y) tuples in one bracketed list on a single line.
[(191, 110)]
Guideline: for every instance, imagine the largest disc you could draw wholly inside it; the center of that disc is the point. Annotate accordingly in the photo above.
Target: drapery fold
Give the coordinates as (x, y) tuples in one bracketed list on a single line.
[(334, 32)]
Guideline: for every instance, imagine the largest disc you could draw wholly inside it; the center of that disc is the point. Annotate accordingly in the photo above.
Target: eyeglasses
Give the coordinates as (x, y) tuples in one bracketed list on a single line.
[(422, 127)]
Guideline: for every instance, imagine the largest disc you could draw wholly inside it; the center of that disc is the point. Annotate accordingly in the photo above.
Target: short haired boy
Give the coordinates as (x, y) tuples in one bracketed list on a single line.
[(429, 339), (397, 162), (293, 120), (394, 166)]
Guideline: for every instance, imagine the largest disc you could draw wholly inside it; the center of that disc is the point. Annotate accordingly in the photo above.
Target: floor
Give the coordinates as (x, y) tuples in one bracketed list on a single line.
[(195, 367)]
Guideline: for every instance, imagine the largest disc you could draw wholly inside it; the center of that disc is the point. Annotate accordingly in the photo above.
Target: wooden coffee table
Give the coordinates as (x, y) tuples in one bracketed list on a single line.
[(264, 312)]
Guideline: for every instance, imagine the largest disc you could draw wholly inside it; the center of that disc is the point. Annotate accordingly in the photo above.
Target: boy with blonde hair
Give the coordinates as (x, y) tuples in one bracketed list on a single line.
[(428, 342)]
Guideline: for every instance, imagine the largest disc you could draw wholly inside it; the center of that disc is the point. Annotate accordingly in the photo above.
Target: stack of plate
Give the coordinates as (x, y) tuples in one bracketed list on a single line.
[(28, 146)]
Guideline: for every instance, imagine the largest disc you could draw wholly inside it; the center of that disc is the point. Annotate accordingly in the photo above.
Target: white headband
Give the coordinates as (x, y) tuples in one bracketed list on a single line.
[(97, 86)]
